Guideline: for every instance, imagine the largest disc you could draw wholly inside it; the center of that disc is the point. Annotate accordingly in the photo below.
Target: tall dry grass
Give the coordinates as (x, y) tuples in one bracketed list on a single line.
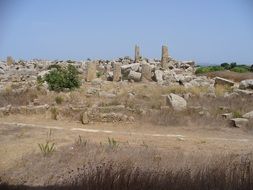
[(237, 77), (124, 168)]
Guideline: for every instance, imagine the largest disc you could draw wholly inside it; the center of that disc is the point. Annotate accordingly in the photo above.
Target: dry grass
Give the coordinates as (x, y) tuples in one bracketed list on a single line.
[(139, 99), (100, 167), (220, 90), (11, 96), (237, 77)]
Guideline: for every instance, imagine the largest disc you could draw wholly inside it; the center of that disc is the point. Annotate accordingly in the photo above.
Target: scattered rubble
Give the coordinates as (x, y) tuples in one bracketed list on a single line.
[(246, 84), (165, 72), (239, 122), (222, 81), (176, 102)]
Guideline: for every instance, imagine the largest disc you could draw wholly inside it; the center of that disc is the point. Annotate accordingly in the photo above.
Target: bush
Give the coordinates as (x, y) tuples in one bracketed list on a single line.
[(232, 65), (240, 69), (63, 78), (208, 69), (225, 66)]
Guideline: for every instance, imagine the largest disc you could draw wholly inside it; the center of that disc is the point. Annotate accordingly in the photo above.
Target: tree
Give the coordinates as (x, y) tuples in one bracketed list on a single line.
[(232, 65), (62, 78), (225, 66)]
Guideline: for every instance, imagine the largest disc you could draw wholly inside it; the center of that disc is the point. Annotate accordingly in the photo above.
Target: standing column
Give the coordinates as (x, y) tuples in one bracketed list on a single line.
[(91, 71), (137, 54), (165, 56), (117, 72)]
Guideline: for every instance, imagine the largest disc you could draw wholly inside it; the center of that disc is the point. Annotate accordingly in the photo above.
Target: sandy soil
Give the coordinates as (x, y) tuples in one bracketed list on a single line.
[(20, 135)]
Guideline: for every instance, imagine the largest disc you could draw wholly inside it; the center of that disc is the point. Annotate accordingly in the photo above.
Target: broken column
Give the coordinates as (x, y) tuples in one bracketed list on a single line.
[(117, 72), (134, 76), (137, 54), (165, 56), (91, 71), (146, 72), (10, 60)]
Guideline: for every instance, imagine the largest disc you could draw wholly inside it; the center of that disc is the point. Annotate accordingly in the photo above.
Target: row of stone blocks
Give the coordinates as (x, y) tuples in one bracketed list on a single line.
[(146, 72), (146, 69)]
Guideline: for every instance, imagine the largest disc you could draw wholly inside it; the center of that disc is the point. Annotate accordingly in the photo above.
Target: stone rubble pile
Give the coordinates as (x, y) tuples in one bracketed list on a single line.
[(166, 71)]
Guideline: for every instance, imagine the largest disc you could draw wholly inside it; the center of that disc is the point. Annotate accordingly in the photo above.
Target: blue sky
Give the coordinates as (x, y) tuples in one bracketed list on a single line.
[(208, 31)]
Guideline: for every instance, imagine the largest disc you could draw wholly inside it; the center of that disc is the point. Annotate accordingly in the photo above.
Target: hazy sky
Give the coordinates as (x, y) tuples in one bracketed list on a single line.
[(208, 31)]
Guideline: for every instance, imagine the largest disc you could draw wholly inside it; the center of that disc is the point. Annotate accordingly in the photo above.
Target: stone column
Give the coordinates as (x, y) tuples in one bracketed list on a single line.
[(117, 72), (146, 72), (165, 56), (137, 54), (10, 60), (91, 71)]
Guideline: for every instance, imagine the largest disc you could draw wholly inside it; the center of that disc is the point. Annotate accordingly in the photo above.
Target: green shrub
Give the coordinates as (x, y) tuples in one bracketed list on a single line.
[(240, 69), (208, 69), (225, 66), (63, 78), (232, 65), (99, 74), (47, 148), (59, 99), (40, 80)]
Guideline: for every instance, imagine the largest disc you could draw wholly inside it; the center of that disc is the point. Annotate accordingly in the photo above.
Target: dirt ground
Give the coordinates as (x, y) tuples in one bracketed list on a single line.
[(20, 135)]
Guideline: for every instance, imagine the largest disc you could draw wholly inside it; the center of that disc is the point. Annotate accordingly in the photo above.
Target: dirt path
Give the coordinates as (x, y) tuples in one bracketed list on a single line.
[(89, 130), (19, 137)]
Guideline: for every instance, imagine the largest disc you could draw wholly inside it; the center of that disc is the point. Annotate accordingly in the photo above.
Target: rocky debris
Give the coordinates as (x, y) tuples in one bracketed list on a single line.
[(36, 102), (117, 72), (107, 94), (91, 71), (43, 73), (30, 109), (199, 81), (222, 81), (176, 102), (5, 110), (227, 115), (135, 76), (230, 95), (166, 71), (159, 76), (92, 91), (125, 69), (2, 71), (204, 113), (137, 55), (107, 109), (109, 76), (248, 115), (172, 72), (97, 82), (243, 92), (187, 64), (239, 122), (246, 84), (114, 117)]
